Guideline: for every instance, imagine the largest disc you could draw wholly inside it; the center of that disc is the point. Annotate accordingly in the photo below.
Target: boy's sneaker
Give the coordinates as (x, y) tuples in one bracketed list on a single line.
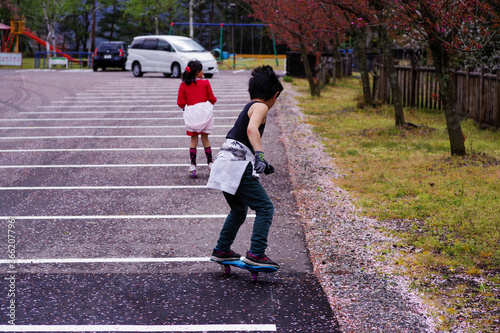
[(225, 256), (260, 260)]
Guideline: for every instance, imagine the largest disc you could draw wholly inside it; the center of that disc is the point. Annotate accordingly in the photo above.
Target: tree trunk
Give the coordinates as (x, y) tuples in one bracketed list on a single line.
[(363, 66), (307, 68), (393, 76), (112, 28), (92, 30), (447, 96), (191, 33)]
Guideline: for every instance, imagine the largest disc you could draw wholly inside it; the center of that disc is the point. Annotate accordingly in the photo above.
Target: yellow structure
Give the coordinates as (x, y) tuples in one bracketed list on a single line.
[(17, 28)]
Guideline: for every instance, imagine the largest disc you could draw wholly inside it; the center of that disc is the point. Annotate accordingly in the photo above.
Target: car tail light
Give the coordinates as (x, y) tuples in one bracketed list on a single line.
[(95, 53), (121, 53)]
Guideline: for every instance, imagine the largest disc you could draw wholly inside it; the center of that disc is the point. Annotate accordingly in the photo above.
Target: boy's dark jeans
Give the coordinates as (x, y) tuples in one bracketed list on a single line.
[(251, 194)]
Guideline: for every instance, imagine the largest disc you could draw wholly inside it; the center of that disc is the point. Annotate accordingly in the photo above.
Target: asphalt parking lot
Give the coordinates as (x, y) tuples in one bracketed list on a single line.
[(102, 228)]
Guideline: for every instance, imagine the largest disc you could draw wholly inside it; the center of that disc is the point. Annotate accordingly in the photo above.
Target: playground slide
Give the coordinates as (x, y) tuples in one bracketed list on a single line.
[(30, 34)]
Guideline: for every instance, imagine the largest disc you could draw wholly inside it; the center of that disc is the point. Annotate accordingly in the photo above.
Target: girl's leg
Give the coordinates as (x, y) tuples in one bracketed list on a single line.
[(192, 149), (208, 149), (204, 140), (194, 141)]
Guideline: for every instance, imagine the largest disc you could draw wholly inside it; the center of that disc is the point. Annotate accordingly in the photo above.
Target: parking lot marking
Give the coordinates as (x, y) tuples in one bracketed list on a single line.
[(91, 112), (175, 106), (103, 260), (141, 328), (122, 187), (128, 98), (146, 149), (56, 166), (101, 119), (104, 127), (116, 217), (98, 137)]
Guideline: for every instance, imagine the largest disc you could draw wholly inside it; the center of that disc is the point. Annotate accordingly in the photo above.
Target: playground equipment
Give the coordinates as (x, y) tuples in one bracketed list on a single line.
[(17, 27), (221, 52)]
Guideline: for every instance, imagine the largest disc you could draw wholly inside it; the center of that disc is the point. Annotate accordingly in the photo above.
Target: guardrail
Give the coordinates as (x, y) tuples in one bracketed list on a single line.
[(76, 59)]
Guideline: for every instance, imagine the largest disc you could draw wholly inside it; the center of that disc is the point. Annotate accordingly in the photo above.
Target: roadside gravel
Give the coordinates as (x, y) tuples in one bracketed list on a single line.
[(342, 244)]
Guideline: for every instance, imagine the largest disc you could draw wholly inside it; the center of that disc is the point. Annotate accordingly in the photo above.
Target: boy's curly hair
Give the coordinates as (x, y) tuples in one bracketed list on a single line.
[(264, 83)]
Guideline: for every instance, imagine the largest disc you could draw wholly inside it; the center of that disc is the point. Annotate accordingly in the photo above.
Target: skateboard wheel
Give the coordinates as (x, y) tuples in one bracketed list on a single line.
[(194, 174), (227, 269)]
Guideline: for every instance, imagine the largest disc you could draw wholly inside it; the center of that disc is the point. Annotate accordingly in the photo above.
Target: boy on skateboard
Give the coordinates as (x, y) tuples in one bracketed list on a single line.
[(236, 171)]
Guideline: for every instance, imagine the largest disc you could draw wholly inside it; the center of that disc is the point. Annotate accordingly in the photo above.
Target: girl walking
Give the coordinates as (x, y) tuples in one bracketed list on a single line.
[(197, 99)]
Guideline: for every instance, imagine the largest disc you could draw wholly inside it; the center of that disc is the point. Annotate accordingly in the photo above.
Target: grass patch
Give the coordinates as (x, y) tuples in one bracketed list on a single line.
[(251, 63), (243, 63), (446, 208)]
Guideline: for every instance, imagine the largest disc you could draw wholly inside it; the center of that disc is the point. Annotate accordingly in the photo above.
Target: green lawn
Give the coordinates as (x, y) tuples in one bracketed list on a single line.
[(244, 63), (445, 210)]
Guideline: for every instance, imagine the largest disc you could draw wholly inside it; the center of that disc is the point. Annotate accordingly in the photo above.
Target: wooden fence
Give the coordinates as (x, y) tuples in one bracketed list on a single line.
[(477, 93)]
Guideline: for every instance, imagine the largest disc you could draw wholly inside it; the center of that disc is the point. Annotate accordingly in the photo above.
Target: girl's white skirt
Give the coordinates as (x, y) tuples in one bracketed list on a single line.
[(199, 118)]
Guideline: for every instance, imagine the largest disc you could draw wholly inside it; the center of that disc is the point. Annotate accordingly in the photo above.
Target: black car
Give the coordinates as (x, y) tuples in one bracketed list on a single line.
[(110, 54)]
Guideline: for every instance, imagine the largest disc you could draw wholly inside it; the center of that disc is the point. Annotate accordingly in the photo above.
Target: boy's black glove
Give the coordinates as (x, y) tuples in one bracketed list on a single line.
[(261, 165), (269, 169)]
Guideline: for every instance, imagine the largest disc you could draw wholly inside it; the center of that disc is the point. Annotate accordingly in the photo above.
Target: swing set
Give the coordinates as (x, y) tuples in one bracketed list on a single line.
[(224, 55)]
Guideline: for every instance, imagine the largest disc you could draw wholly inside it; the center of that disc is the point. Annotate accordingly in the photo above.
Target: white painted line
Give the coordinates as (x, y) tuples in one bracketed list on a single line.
[(141, 328), (172, 89), (238, 71), (99, 119), (145, 149), (125, 187), (95, 166), (103, 260), (115, 217), (151, 111), (103, 127), (128, 99), (123, 106), (99, 137)]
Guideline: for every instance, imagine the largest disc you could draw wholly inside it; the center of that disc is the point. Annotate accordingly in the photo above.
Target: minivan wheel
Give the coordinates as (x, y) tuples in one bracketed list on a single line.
[(136, 69), (208, 76), (176, 70)]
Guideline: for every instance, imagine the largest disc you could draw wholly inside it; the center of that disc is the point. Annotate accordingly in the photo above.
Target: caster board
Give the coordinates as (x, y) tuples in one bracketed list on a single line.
[(255, 270)]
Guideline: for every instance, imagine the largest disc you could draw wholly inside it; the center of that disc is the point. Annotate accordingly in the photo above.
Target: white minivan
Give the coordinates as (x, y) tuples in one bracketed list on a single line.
[(168, 55)]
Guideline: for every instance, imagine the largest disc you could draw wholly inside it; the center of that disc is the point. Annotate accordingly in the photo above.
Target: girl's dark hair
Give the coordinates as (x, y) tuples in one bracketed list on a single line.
[(190, 74), (264, 83)]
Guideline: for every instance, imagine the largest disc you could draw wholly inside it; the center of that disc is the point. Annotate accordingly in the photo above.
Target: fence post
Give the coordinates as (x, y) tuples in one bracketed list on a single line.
[(413, 80), (482, 109), (376, 76), (497, 116)]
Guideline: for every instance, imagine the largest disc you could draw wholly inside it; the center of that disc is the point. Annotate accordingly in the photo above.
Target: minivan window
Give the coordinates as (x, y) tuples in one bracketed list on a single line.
[(150, 44), (187, 45), (164, 46), (136, 44)]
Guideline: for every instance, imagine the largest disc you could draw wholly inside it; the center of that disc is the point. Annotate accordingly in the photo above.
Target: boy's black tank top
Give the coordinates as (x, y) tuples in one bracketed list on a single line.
[(239, 130)]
